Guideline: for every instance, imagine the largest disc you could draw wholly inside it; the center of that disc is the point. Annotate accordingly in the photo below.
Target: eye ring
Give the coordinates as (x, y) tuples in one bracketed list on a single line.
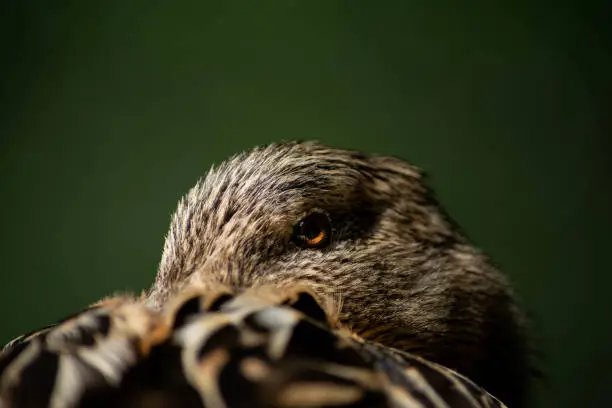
[(313, 231)]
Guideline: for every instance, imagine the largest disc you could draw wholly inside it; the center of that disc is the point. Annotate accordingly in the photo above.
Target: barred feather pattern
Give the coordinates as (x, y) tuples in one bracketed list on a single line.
[(256, 348)]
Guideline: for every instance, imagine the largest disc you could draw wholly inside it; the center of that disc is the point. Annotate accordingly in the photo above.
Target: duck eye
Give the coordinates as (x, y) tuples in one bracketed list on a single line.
[(313, 231)]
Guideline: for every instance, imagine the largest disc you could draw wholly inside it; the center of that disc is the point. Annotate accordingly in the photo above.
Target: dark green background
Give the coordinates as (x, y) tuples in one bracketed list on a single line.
[(110, 110)]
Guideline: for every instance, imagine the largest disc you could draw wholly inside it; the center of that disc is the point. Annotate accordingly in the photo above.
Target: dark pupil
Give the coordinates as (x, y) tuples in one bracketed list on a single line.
[(311, 228)]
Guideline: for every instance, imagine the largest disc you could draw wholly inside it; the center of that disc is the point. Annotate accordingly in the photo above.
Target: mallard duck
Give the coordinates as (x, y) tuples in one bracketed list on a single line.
[(293, 275)]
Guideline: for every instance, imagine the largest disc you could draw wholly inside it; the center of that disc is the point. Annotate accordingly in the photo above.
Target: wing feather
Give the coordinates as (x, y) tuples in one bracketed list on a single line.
[(221, 350)]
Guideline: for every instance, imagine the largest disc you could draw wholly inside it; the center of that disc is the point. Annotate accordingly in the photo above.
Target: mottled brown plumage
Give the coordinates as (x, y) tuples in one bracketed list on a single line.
[(402, 272), (262, 348), (301, 275)]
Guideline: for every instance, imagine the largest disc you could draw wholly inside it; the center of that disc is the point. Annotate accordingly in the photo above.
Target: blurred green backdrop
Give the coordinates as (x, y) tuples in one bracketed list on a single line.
[(111, 110)]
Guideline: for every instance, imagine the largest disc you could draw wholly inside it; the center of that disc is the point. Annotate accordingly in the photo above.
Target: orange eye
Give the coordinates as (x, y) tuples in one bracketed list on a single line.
[(313, 231)]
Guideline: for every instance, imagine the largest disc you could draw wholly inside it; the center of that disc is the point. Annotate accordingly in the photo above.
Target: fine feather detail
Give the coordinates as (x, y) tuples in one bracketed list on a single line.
[(257, 348)]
